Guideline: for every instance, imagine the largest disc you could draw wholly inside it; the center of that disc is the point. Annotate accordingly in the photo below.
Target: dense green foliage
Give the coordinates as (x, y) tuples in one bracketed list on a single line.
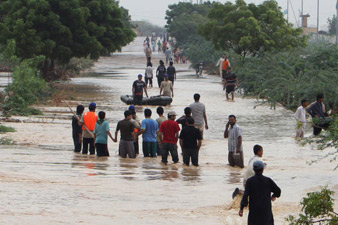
[(248, 29), (183, 20), (317, 208), (144, 28), (332, 22), (63, 29), (6, 141), (4, 129), (288, 77)]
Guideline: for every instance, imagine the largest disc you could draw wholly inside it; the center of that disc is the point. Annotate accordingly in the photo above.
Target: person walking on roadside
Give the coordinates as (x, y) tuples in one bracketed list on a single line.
[(148, 75), (137, 89), (225, 64), (199, 114), (101, 133), (258, 196), (190, 142), (148, 51), (183, 119), (166, 87), (126, 127), (167, 56), (159, 46), (231, 82), (159, 121), (235, 149), (168, 137), (220, 64), (300, 117), (318, 113), (89, 120), (149, 127), (137, 127), (77, 129), (171, 71), (161, 70)]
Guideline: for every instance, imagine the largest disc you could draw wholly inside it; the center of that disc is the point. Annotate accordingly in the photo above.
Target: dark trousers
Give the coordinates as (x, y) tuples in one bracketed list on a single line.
[(172, 79), (136, 147), (190, 153), (101, 149), (77, 143), (166, 148), (90, 142), (236, 159), (149, 149), (137, 100), (150, 81), (159, 80)]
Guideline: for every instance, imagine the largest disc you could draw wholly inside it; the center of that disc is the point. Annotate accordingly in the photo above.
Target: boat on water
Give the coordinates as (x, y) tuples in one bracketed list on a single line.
[(152, 100)]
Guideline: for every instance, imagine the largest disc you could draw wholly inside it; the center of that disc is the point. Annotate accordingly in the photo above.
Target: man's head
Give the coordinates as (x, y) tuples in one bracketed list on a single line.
[(190, 121), (225, 57), (139, 77), (160, 110), (187, 111), (320, 98), (258, 167), (232, 120), (258, 150), (127, 114), (171, 115), (171, 63), (305, 103), (79, 109), (197, 97), (147, 113), (161, 62), (92, 107), (166, 77), (102, 115)]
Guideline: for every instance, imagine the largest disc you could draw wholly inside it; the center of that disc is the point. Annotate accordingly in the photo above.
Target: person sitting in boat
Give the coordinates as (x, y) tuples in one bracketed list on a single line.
[(138, 87), (167, 87)]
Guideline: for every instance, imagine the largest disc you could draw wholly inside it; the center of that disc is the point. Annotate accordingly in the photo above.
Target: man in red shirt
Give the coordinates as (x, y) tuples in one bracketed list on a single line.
[(168, 137)]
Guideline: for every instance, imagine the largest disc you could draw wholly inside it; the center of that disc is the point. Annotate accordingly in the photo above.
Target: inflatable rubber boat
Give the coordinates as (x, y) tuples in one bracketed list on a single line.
[(153, 100)]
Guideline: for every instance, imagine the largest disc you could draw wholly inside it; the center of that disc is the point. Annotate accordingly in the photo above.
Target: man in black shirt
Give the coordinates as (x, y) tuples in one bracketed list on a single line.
[(319, 116), (138, 87), (258, 189), (183, 119), (171, 71), (77, 129), (161, 70), (190, 141)]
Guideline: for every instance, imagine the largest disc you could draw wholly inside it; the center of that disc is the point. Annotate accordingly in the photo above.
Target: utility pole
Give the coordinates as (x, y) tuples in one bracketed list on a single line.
[(317, 19), (287, 10), (302, 13), (337, 23)]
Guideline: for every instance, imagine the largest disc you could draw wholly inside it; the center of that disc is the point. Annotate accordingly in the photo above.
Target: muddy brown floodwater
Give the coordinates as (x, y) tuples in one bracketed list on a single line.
[(43, 182)]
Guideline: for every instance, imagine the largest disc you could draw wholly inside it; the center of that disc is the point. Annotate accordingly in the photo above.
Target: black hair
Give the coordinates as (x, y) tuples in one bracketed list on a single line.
[(160, 110), (258, 171), (303, 101), (232, 116), (149, 64), (171, 63), (257, 148), (190, 120), (80, 109), (91, 108), (161, 62), (187, 111), (147, 112), (197, 97), (127, 113), (320, 96), (102, 115)]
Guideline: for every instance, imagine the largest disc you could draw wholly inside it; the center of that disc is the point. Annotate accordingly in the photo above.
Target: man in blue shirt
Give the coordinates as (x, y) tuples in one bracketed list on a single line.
[(148, 131)]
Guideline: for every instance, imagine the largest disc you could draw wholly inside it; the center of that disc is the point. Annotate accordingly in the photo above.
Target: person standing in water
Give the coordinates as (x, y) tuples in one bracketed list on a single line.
[(235, 149), (318, 112), (167, 87), (219, 64), (148, 75), (137, 127), (161, 70), (89, 120), (199, 114), (258, 196), (77, 129), (159, 121), (101, 133), (231, 82), (171, 71), (149, 127), (300, 117), (137, 89)]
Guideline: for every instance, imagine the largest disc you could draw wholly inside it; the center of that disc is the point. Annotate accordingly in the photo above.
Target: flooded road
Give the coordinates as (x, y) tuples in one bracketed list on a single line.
[(43, 182)]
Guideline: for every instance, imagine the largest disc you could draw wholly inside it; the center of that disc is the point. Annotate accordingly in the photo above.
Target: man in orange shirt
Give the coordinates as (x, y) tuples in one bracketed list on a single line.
[(225, 65), (89, 120)]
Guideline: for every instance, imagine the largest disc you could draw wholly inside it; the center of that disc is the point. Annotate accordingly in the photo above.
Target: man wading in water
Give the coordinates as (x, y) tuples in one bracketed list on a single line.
[(138, 87), (89, 120)]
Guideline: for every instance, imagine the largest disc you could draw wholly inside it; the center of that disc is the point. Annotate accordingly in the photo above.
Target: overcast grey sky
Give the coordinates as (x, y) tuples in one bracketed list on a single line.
[(154, 10)]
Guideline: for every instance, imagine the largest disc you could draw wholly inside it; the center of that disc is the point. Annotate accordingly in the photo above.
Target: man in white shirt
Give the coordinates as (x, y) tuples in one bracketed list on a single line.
[(300, 117), (258, 151), (219, 64), (235, 148)]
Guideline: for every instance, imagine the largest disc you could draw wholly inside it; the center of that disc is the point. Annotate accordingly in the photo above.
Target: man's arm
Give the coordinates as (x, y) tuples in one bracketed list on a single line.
[(161, 88), (181, 142), (199, 144), (226, 133), (116, 132), (172, 90), (239, 144), (275, 190), (145, 90), (176, 136), (205, 120), (161, 136), (244, 202)]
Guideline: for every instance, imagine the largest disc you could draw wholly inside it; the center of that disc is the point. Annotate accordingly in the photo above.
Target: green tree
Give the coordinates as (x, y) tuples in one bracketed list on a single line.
[(332, 24), (62, 29), (249, 29)]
